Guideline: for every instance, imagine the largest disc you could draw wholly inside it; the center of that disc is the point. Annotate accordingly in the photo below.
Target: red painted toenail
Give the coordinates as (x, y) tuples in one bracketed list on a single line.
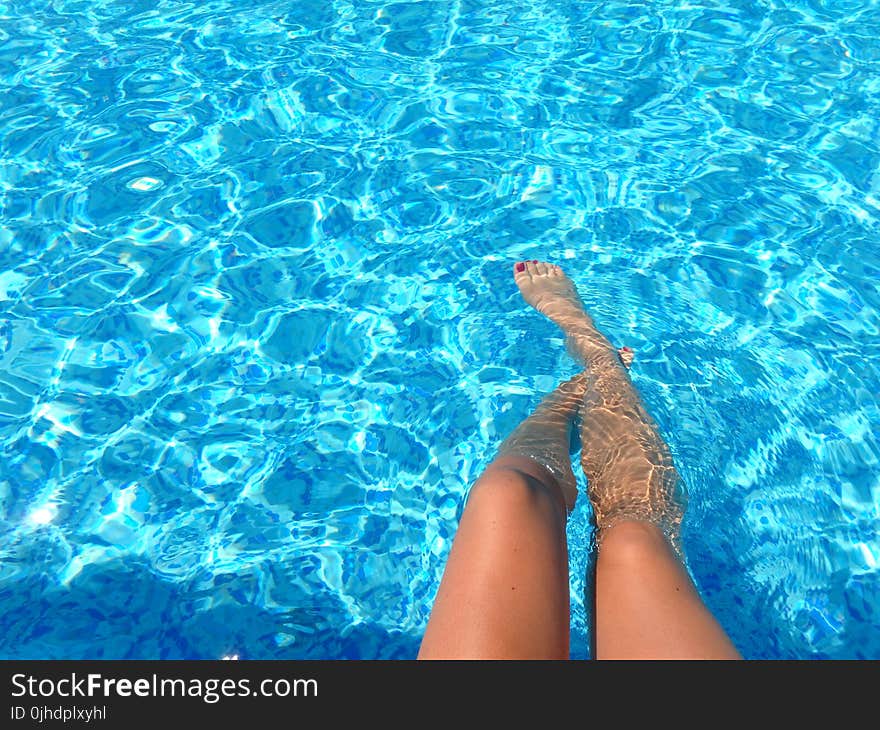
[(520, 266), (626, 349), (535, 261)]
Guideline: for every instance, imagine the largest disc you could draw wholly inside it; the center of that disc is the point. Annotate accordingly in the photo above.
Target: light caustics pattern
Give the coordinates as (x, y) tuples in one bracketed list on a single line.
[(259, 331)]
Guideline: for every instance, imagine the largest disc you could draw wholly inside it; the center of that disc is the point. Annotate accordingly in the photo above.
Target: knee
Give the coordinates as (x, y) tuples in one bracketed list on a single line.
[(632, 541), (509, 488)]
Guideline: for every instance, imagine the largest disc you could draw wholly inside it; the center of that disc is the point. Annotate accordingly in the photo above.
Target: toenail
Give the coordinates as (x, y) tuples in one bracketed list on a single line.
[(626, 349), (520, 266), (535, 261)]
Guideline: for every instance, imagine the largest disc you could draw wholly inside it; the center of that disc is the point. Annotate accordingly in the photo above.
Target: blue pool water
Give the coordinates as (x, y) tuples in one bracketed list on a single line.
[(259, 331)]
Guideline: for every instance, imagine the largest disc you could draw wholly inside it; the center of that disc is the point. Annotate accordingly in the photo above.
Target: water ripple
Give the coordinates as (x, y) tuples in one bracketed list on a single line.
[(259, 335)]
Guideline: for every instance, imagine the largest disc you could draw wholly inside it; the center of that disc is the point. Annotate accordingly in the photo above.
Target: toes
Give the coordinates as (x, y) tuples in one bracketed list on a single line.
[(535, 268), (626, 356)]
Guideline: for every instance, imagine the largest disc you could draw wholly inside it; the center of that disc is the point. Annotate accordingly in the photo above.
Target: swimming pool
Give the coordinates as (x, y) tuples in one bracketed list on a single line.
[(259, 331)]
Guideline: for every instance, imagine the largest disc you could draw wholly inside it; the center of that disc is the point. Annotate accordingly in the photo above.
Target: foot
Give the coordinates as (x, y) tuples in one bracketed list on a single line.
[(545, 435), (552, 293), (546, 288)]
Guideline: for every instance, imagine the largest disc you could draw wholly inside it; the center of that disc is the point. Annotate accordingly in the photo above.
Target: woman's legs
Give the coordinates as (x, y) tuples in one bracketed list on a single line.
[(646, 604), (504, 593)]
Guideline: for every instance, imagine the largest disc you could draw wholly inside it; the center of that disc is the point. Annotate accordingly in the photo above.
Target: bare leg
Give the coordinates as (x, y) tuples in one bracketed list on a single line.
[(646, 604), (504, 593)]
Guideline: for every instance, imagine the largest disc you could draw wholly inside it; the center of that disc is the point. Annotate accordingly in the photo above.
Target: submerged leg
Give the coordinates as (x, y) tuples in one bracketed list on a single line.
[(504, 592), (647, 605)]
